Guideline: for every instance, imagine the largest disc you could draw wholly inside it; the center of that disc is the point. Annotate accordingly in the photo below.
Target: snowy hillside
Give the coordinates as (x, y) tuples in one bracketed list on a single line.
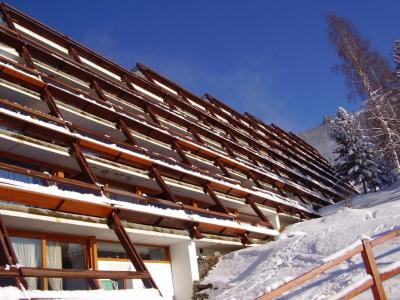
[(320, 139), (251, 272)]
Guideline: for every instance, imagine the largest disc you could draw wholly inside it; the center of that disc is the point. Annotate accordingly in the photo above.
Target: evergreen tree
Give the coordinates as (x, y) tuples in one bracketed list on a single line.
[(357, 161), (369, 77)]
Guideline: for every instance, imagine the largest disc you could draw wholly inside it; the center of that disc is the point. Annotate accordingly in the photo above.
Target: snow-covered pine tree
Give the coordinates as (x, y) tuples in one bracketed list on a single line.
[(357, 161), (368, 76)]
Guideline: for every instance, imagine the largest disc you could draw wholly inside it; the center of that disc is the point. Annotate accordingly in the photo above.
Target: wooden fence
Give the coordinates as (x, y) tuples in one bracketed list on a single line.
[(365, 249)]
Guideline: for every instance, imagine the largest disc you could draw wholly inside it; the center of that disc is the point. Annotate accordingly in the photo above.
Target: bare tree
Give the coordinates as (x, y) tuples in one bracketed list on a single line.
[(369, 77)]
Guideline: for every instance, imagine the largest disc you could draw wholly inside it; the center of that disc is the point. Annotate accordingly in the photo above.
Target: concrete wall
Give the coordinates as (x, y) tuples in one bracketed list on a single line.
[(184, 269), (160, 271)]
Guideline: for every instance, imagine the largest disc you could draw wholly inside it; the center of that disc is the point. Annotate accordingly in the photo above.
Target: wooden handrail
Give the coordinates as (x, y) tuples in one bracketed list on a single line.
[(72, 273), (48, 177), (369, 263)]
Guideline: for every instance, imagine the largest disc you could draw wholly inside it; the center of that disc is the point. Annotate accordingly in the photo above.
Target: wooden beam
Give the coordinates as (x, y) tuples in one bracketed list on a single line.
[(125, 130), (83, 164), (254, 160), (97, 88), (196, 135), (8, 257), (48, 98), (161, 183), (194, 232), (228, 149), (181, 153), (114, 222), (244, 239), (257, 210), (152, 115), (218, 204), (278, 187), (24, 53), (74, 53), (91, 254), (251, 175), (221, 165)]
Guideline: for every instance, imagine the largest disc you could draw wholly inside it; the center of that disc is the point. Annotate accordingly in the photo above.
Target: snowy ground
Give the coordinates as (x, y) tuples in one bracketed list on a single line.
[(251, 272), (13, 293)]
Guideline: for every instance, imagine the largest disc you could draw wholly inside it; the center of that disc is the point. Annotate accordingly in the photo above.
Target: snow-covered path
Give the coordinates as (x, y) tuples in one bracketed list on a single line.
[(251, 272)]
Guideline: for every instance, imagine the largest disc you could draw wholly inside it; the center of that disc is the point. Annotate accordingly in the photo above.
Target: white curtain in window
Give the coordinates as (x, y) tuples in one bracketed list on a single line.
[(54, 261), (28, 252)]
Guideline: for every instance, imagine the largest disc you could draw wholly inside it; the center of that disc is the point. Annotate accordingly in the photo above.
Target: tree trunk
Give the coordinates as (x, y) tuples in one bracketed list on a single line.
[(365, 187)]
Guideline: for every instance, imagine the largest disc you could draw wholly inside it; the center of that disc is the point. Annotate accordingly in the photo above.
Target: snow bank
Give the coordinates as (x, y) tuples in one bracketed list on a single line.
[(13, 293), (364, 201), (251, 272)]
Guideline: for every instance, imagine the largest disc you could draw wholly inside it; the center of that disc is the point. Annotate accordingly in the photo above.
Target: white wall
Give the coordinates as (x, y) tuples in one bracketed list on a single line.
[(161, 273), (184, 269)]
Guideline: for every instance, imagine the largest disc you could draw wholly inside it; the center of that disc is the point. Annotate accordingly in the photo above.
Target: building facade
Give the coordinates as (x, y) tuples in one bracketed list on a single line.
[(118, 179)]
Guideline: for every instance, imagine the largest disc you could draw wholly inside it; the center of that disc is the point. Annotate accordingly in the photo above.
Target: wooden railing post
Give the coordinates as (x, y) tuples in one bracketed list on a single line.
[(371, 268)]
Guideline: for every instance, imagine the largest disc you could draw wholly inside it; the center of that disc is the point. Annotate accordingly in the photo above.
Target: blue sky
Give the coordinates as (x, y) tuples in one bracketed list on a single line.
[(271, 58)]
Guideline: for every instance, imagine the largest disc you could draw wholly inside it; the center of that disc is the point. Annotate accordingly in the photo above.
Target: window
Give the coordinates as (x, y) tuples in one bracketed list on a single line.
[(116, 251), (28, 252), (60, 255), (38, 250)]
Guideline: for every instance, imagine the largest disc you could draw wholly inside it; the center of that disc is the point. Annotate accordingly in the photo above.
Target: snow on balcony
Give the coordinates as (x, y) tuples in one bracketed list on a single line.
[(154, 145), (9, 53), (23, 96), (195, 104), (64, 77), (24, 146), (96, 67), (41, 39), (228, 185), (149, 209), (222, 119), (173, 126), (165, 87), (146, 92)]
